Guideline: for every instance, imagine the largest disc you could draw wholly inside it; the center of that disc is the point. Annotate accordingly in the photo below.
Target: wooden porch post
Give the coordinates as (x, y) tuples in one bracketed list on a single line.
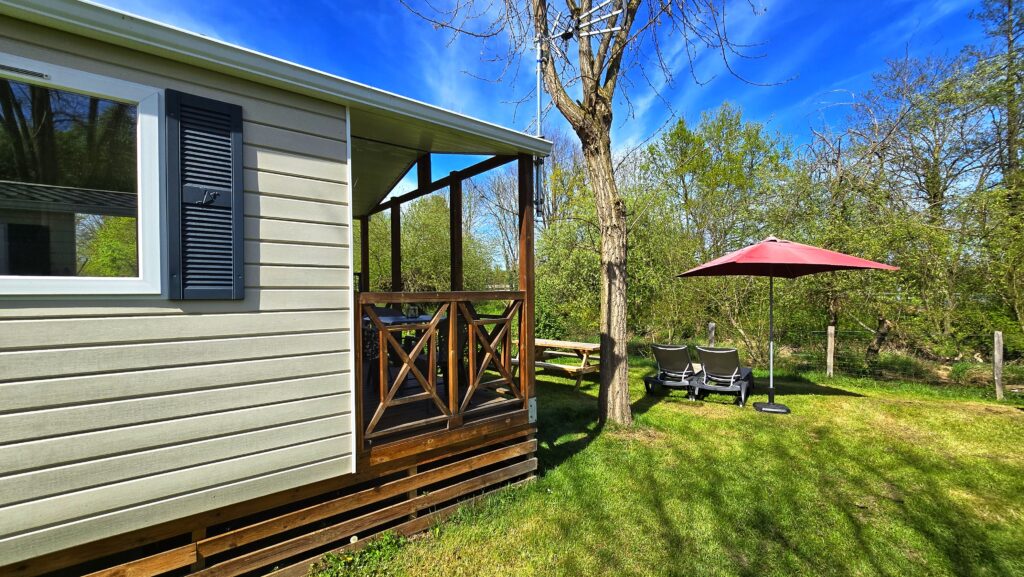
[(423, 178), (455, 231), (527, 369), (364, 253), (396, 248)]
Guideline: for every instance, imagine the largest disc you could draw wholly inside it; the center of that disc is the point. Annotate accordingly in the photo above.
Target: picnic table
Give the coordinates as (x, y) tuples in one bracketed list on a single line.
[(551, 349)]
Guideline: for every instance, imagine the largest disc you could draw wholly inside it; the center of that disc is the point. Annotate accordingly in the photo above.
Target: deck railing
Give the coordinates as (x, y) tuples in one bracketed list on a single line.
[(439, 369)]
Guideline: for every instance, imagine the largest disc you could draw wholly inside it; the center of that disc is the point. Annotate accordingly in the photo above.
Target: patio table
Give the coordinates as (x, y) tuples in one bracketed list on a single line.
[(587, 353)]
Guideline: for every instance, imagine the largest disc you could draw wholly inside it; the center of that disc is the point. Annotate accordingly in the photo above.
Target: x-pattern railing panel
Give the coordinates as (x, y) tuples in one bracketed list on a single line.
[(489, 341), (476, 344), (389, 342)]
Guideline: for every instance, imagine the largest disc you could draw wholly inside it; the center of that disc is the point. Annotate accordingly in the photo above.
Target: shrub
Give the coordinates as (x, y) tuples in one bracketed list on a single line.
[(960, 373), (980, 374), (896, 365)]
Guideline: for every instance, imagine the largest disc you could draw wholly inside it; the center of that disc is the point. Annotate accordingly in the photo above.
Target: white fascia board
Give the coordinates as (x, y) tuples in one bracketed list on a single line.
[(123, 29)]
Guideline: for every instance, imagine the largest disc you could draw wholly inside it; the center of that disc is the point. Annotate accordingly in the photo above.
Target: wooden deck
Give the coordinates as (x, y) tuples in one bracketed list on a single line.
[(423, 416), (439, 370)]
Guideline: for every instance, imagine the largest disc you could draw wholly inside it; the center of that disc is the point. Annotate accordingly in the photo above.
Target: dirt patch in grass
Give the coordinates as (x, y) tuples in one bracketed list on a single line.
[(986, 510), (959, 405), (703, 409), (639, 434), (899, 427)]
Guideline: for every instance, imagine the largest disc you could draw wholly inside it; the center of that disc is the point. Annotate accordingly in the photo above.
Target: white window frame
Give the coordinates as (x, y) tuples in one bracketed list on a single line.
[(151, 178)]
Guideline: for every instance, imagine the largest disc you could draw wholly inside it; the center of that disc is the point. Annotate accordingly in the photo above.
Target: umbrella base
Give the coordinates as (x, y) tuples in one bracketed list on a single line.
[(777, 408)]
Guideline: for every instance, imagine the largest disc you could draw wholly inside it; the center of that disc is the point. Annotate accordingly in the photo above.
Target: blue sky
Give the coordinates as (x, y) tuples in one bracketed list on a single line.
[(823, 51)]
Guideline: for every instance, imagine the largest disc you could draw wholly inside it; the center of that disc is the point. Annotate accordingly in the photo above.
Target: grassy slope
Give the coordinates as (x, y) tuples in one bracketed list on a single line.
[(862, 479)]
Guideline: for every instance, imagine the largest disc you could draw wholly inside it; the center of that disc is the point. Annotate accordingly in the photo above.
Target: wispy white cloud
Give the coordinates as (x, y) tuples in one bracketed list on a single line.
[(917, 18)]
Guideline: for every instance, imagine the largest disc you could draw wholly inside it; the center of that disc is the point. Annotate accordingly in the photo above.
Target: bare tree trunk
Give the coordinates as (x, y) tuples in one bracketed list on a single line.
[(45, 137), (884, 326), (611, 213), (833, 312), (14, 125)]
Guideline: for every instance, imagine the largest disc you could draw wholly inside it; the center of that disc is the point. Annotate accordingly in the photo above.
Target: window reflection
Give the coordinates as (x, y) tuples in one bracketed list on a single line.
[(68, 183)]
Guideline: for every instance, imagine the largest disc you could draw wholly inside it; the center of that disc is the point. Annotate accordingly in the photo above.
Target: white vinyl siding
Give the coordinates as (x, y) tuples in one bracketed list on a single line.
[(120, 413)]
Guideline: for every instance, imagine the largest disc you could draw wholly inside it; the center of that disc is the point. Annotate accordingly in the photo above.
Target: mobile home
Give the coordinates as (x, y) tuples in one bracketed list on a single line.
[(190, 379)]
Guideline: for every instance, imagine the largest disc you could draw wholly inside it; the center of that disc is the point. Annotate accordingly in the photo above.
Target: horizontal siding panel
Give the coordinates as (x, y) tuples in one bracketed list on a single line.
[(281, 300), (40, 394), (256, 300), (295, 254), (290, 231), (86, 360), (264, 136), (81, 332), (16, 427), (293, 209), (72, 448), (260, 102), (78, 476), (144, 515), (297, 277), (25, 516), (285, 162), (295, 186), (161, 409)]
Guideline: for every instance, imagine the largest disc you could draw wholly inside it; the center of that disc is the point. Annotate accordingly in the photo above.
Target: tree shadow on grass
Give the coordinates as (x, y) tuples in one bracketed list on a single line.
[(784, 386), (920, 502), (799, 385), (830, 505), (567, 421), (646, 402)]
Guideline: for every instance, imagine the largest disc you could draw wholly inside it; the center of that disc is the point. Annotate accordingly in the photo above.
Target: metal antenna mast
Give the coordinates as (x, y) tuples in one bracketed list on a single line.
[(579, 26)]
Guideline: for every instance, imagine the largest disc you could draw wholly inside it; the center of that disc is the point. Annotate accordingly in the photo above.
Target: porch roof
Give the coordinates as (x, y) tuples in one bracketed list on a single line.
[(389, 131)]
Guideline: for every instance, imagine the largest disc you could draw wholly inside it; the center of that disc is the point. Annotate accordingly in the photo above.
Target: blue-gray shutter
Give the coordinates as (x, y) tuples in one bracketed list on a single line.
[(205, 226)]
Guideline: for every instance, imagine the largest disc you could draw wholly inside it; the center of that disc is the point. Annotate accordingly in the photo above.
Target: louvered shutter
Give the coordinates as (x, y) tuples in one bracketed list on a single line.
[(204, 148)]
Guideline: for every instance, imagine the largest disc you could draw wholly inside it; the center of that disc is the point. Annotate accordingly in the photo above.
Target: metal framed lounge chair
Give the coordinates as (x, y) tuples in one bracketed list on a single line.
[(722, 373), (675, 369)]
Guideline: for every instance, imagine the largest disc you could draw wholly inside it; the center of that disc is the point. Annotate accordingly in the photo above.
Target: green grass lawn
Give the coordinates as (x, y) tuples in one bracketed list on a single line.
[(864, 478)]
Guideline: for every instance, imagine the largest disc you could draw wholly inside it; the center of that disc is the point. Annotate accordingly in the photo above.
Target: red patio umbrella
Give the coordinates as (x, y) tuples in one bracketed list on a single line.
[(774, 257)]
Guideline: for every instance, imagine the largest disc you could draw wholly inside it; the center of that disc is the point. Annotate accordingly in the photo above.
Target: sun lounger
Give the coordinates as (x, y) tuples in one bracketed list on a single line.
[(722, 373)]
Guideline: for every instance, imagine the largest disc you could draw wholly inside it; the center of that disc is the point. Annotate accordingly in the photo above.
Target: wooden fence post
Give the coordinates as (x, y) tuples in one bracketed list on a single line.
[(830, 359), (997, 364), (711, 334)]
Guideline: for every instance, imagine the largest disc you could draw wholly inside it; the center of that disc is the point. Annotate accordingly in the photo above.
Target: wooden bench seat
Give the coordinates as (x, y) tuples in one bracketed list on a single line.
[(587, 353), (570, 370), (554, 354)]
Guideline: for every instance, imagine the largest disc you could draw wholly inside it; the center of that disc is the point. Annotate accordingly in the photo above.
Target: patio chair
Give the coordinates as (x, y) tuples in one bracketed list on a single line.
[(675, 369), (722, 373)]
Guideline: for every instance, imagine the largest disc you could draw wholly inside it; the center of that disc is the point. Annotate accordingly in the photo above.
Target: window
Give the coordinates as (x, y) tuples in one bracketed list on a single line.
[(80, 182)]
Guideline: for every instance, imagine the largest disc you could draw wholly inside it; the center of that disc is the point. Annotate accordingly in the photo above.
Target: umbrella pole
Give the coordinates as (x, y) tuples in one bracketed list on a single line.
[(771, 406), (771, 340)]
